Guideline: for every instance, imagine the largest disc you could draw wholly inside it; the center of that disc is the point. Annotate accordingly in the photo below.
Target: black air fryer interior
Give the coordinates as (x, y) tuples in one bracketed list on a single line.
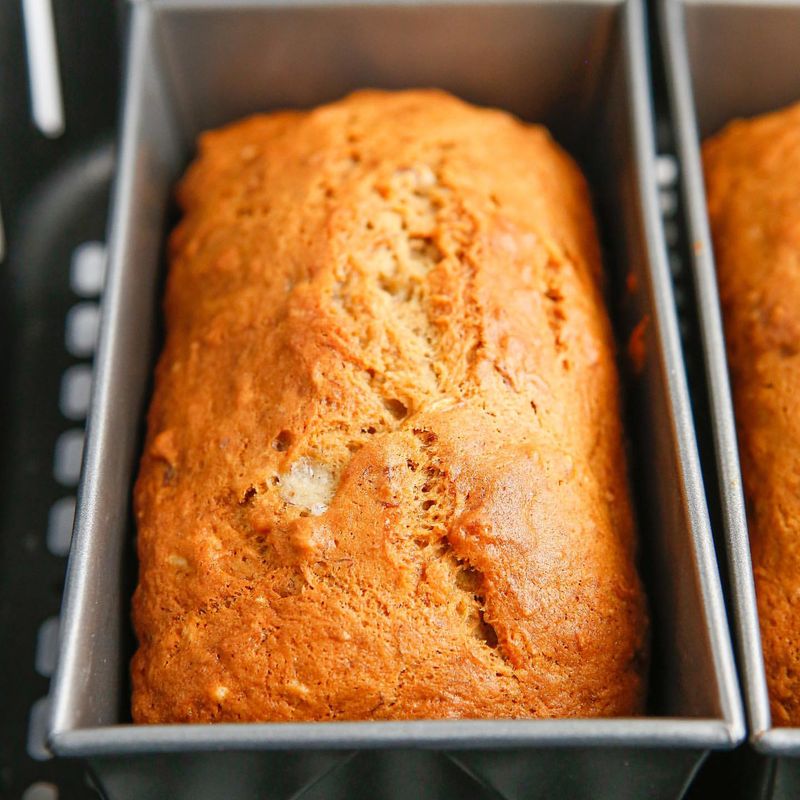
[(53, 194)]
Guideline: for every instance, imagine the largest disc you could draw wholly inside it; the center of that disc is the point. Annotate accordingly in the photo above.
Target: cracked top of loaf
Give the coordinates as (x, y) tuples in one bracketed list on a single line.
[(384, 474)]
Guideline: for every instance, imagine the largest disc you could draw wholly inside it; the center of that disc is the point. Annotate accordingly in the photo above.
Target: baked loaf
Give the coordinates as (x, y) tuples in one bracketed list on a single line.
[(753, 179), (384, 475)]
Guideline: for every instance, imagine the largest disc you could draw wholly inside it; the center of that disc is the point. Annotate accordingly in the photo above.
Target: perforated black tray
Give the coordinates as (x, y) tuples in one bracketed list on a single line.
[(53, 194)]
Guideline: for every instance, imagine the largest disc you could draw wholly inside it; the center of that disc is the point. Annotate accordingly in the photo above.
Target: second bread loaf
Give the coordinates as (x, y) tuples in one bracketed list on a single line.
[(753, 181)]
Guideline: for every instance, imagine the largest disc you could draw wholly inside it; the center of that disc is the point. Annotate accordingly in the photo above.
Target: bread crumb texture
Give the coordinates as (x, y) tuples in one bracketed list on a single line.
[(384, 475), (753, 183)]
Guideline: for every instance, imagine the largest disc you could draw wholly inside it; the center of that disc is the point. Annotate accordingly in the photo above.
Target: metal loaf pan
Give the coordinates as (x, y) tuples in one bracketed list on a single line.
[(726, 60), (579, 67)]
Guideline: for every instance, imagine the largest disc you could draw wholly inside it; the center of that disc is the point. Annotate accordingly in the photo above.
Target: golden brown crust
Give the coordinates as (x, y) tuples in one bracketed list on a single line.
[(753, 184), (384, 474)]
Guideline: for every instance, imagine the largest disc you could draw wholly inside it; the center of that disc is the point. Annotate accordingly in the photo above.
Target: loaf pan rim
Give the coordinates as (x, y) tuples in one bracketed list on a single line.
[(462, 734), (238, 5)]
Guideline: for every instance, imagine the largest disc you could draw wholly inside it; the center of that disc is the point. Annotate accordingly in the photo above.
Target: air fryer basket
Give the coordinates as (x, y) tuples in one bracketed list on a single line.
[(581, 68)]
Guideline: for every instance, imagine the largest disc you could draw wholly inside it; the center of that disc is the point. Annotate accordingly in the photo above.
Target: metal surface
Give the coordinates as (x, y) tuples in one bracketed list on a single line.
[(581, 68), (726, 60), (47, 105)]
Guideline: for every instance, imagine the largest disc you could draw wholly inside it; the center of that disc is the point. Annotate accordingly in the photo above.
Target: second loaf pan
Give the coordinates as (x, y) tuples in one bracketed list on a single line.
[(580, 68), (726, 60)]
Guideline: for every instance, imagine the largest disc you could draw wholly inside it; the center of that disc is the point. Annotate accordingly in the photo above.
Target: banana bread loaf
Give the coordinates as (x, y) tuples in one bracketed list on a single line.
[(753, 180), (384, 472)]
